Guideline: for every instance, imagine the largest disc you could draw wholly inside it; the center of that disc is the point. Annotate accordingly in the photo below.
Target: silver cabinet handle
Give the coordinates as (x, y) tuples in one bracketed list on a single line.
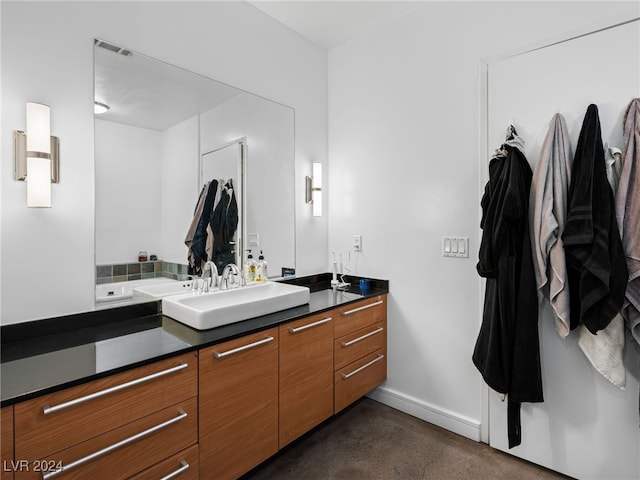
[(184, 467), (243, 348), (366, 335), (366, 365), (47, 409), (349, 312), (310, 325), (115, 446)]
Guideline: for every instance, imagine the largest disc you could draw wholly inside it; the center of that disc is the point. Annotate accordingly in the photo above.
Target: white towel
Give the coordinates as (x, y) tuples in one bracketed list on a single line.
[(605, 350)]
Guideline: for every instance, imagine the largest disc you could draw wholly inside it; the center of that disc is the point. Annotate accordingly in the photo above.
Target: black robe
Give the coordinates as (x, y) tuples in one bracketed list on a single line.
[(223, 223), (507, 351)]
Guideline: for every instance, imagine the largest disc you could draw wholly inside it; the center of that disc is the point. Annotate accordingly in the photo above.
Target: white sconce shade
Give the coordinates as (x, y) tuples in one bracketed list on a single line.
[(313, 189), (316, 190), (38, 182), (38, 129), (36, 156)]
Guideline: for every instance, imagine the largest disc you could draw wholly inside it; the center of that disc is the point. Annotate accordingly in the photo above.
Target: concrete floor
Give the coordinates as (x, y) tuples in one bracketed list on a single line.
[(370, 441)]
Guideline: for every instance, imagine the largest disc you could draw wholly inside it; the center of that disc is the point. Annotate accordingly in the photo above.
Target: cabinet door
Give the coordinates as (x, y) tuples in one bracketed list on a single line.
[(359, 343), (120, 453), (358, 315), (359, 378), (6, 442), (306, 375), (62, 419), (182, 466), (238, 404)]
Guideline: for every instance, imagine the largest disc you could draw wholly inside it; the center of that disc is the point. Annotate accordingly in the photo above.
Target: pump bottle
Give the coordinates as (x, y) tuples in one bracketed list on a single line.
[(261, 269), (250, 269)]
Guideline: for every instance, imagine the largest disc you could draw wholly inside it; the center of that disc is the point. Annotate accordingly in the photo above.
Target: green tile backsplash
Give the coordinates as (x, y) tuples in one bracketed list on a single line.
[(123, 272)]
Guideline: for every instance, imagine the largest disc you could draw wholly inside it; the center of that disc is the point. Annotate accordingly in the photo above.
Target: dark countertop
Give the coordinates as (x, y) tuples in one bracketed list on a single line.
[(44, 356)]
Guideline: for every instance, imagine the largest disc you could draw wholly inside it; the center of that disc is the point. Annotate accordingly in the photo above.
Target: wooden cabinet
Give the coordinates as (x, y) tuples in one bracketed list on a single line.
[(216, 413), (125, 451), (113, 427), (360, 349), (6, 443), (238, 395), (306, 375)]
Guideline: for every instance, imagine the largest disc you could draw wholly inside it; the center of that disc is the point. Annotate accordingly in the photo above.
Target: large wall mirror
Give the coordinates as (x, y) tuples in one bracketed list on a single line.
[(154, 154)]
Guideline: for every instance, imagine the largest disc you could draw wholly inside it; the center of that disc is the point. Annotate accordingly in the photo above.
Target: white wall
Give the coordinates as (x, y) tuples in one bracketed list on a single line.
[(47, 56), (404, 171), (128, 195), (180, 152)]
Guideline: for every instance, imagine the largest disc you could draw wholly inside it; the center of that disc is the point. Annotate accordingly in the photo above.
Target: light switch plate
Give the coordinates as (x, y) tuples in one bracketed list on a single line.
[(455, 247)]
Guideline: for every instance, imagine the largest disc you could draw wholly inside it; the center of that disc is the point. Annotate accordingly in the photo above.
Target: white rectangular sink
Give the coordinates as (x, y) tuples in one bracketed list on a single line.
[(112, 292), (158, 291), (221, 307)]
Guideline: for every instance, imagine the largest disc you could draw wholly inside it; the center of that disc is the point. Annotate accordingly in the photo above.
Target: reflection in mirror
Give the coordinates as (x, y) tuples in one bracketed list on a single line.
[(150, 148), (222, 177)]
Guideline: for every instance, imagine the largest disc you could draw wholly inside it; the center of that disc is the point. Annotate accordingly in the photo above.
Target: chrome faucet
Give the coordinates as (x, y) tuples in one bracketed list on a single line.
[(230, 269), (211, 279)]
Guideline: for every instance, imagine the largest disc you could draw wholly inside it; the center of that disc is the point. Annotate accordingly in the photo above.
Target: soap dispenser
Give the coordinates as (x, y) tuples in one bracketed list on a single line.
[(250, 269), (261, 269)]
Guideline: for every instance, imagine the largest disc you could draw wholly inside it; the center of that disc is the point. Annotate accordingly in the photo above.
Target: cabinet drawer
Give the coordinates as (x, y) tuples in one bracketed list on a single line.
[(86, 411), (6, 442), (238, 404), (351, 347), (360, 377), (182, 466), (306, 375), (129, 449), (360, 314)]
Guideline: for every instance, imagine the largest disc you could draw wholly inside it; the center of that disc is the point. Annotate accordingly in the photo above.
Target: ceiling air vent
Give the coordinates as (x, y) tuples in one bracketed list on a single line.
[(113, 48)]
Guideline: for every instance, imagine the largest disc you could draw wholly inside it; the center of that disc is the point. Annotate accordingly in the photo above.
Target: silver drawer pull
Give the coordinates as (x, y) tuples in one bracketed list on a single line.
[(349, 312), (184, 467), (243, 348), (113, 447), (47, 409), (366, 365), (366, 335), (310, 325)]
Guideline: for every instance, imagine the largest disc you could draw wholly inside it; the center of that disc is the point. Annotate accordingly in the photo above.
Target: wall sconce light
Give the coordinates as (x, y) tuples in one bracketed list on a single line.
[(313, 189), (36, 156)]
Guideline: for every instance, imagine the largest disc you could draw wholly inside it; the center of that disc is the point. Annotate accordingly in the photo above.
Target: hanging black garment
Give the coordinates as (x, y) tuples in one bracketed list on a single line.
[(224, 222), (507, 351), (596, 265), (199, 241)]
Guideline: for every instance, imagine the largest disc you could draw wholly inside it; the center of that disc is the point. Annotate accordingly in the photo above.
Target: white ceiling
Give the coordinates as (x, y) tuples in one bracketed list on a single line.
[(330, 23)]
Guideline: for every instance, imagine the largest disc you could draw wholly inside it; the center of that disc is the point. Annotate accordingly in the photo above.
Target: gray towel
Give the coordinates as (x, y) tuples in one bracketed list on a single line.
[(547, 213), (628, 214)]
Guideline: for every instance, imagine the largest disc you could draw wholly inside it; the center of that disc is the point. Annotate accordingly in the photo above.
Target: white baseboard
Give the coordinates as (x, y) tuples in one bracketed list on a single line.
[(417, 408)]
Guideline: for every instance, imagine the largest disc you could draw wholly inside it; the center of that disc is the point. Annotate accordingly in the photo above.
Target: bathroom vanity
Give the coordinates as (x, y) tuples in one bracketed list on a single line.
[(130, 393)]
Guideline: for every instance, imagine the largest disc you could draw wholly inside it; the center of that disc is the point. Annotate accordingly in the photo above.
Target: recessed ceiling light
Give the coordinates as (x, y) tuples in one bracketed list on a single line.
[(100, 107)]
